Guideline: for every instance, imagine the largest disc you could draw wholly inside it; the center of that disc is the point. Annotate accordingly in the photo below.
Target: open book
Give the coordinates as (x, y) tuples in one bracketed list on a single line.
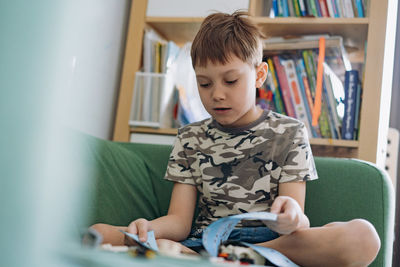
[(218, 232)]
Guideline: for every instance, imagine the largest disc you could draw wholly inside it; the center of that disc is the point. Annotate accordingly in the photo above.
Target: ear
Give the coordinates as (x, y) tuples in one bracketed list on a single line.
[(262, 71)]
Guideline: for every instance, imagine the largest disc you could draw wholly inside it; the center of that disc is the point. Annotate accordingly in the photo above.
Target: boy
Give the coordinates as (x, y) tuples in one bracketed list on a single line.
[(244, 159)]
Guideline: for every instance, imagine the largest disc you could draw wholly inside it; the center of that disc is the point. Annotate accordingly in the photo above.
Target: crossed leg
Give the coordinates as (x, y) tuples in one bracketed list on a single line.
[(353, 243)]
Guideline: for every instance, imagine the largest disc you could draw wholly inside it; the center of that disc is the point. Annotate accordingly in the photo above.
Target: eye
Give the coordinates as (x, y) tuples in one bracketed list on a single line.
[(231, 82), (204, 85)]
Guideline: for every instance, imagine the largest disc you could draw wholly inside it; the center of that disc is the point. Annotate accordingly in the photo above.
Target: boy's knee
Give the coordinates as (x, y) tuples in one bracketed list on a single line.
[(362, 240)]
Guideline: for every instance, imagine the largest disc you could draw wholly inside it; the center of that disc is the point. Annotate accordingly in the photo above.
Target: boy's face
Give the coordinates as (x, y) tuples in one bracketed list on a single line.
[(228, 91)]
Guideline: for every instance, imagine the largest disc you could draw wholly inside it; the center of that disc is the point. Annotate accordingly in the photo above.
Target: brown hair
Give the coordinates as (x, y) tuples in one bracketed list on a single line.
[(222, 35)]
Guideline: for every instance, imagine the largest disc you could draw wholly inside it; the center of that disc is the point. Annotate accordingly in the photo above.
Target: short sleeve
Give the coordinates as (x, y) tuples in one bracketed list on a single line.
[(179, 167), (299, 164)]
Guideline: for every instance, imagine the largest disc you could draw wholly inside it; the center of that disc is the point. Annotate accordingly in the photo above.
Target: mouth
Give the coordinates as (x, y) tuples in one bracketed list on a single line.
[(221, 109)]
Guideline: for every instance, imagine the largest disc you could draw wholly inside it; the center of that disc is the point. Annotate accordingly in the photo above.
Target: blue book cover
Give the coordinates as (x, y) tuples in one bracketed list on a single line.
[(301, 74), (350, 102)]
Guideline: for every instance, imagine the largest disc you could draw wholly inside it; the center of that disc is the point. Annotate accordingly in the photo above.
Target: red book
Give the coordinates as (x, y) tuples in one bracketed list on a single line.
[(324, 8)]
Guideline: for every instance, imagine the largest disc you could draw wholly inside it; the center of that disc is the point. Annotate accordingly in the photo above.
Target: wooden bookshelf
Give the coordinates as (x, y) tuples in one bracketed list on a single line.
[(374, 113)]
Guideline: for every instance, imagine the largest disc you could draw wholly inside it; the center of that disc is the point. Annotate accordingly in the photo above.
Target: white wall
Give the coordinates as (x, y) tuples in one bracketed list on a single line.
[(92, 37), (185, 8)]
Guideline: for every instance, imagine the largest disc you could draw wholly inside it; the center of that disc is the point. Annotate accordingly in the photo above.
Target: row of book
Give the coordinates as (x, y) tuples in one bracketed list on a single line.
[(290, 90), (318, 8), (153, 85)]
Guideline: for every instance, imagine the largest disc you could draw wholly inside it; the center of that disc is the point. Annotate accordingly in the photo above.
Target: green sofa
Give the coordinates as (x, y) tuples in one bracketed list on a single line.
[(128, 184)]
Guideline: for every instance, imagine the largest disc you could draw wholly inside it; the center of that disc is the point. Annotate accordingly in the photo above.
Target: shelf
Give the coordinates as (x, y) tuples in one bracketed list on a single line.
[(164, 131), (313, 141), (354, 30)]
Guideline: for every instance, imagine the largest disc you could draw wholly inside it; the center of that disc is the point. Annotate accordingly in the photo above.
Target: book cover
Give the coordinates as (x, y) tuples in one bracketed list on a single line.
[(351, 85), (306, 95), (330, 80), (298, 101), (279, 105), (285, 89)]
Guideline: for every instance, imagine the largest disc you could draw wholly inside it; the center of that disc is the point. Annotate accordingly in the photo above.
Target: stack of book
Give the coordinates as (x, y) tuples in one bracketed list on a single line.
[(319, 8), (290, 87)]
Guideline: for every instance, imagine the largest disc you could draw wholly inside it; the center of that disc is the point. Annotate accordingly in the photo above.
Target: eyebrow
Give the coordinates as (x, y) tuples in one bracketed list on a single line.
[(224, 73)]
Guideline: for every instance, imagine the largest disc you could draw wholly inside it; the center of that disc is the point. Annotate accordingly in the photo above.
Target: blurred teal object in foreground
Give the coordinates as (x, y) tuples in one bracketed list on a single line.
[(41, 167)]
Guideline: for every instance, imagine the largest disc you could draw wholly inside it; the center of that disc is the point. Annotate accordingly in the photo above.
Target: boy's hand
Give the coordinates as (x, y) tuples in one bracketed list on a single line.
[(140, 227), (290, 215)]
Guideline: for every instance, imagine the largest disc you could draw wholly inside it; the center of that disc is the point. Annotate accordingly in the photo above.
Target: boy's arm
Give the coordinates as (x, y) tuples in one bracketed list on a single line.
[(290, 208), (177, 223)]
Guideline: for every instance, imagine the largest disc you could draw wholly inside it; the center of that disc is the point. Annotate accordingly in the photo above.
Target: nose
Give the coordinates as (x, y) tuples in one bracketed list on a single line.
[(218, 93)]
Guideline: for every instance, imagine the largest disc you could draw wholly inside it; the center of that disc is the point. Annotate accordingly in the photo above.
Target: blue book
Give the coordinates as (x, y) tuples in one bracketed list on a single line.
[(318, 7), (275, 7), (285, 8), (301, 74), (359, 8), (350, 102)]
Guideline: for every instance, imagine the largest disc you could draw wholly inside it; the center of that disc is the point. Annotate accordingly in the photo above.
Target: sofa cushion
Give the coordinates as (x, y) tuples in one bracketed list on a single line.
[(122, 189)]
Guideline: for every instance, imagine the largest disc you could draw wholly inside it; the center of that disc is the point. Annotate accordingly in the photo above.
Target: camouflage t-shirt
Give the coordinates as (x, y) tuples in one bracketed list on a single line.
[(239, 170)]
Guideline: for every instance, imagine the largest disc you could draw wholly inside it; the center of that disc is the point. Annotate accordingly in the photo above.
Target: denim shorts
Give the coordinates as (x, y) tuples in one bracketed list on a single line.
[(246, 234)]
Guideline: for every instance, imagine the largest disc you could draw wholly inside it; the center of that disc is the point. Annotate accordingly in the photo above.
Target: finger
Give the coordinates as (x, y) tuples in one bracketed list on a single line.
[(277, 205), (132, 228), (142, 227)]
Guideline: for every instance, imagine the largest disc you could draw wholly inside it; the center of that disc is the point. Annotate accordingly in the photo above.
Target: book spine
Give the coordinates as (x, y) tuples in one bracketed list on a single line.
[(310, 70), (275, 7), (284, 87), (296, 7), (351, 84), (313, 8), (357, 112), (280, 8), (333, 105), (291, 8), (324, 9), (280, 108), (318, 7), (359, 8), (348, 7), (303, 9), (285, 8), (324, 120), (330, 8), (330, 110), (338, 9)]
